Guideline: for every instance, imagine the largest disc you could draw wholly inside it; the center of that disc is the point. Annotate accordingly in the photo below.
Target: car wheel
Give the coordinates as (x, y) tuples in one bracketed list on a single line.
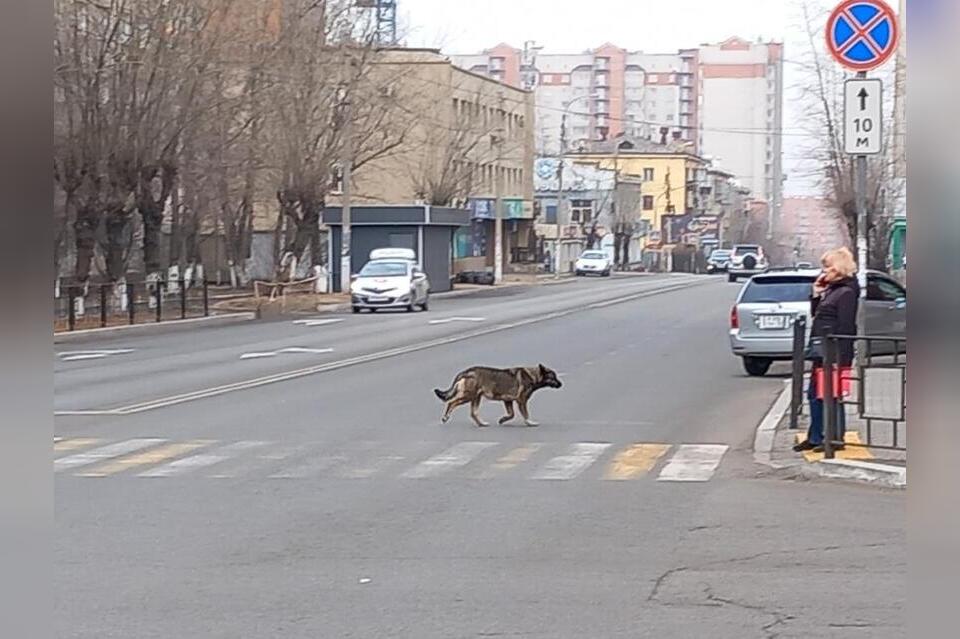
[(356, 309), (756, 366), (731, 277)]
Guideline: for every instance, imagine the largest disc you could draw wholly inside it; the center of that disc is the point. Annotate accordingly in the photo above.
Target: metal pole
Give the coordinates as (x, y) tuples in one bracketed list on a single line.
[(183, 297), (346, 268), (72, 308), (498, 216), (206, 299), (103, 306), (131, 307), (563, 149), (829, 401), (159, 296), (799, 346), (862, 246)]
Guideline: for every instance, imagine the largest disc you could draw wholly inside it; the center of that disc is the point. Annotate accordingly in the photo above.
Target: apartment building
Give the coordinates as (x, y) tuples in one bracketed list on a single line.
[(725, 99)]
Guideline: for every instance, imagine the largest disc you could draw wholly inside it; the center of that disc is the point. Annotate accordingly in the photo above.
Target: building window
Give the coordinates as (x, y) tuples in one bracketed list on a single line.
[(648, 174), (647, 202), (581, 210)]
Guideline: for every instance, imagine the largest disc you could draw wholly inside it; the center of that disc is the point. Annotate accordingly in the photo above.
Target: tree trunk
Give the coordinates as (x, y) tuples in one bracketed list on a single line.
[(116, 224), (85, 229)]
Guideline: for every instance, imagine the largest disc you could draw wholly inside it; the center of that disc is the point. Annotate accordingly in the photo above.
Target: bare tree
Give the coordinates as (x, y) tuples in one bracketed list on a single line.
[(821, 93)]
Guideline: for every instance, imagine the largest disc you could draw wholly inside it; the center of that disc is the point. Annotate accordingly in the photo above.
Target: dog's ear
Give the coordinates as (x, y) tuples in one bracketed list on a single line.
[(544, 370)]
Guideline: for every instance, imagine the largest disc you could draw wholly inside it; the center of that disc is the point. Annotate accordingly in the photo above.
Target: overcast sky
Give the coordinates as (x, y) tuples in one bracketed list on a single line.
[(468, 26)]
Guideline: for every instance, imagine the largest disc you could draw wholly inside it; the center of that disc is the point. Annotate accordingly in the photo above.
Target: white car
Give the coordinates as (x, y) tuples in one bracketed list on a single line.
[(391, 279), (747, 260), (596, 262)]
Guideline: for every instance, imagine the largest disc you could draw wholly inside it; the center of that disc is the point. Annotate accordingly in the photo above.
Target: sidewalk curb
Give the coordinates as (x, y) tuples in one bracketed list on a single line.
[(169, 326), (844, 469)]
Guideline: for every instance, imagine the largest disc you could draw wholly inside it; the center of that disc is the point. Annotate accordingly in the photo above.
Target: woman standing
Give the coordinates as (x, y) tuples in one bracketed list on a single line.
[(836, 295)]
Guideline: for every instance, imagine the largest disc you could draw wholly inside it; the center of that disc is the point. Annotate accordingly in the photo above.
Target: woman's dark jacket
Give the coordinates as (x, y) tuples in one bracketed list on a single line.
[(835, 313)]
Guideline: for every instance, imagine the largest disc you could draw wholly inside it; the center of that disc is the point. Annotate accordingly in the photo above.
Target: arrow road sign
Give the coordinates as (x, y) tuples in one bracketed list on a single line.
[(863, 117), (862, 34)]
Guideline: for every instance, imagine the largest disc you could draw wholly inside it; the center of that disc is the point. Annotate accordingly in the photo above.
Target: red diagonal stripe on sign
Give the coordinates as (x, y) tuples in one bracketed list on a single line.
[(862, 33)]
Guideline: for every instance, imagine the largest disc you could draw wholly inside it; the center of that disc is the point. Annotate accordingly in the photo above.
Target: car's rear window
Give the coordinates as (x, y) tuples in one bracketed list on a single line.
[(745, 250), (595, 255), (777, 289)]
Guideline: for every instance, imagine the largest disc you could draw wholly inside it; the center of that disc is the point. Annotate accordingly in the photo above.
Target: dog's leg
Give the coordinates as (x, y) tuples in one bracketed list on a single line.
[(474, 405), (452, 404), (522, 403), (510, 414)]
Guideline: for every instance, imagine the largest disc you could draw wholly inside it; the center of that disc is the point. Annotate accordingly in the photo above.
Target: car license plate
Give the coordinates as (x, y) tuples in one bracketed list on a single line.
[(771, 322), (378, 299)]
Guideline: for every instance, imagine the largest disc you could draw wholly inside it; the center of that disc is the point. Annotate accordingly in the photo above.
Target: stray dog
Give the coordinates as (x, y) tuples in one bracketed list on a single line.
[(507, 385)]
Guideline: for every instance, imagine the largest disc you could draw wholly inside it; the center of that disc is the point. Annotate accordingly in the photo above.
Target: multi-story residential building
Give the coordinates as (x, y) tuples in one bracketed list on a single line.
[(725, 99), (606, 92), (741, 84)]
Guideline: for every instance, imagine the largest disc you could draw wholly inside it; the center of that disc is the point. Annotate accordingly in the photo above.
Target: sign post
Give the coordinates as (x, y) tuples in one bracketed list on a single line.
[(862, 35)]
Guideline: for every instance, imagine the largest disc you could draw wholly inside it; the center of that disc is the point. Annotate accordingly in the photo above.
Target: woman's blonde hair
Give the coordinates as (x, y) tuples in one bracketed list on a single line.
[(842, 260)]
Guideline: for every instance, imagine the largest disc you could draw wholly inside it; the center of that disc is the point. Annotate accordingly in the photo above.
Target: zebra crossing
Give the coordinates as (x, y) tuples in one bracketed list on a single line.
[(157, 458)]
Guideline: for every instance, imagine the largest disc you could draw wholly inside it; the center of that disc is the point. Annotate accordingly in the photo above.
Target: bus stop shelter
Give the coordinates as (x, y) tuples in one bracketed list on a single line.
[(427, 230)]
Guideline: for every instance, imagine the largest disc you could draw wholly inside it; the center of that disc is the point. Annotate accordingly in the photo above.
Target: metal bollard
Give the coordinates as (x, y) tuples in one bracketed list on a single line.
[(72, 307), (131, 306), (103, 306), (799, 350), (829, 401), (159, 297), (183, 298), (206, 299)]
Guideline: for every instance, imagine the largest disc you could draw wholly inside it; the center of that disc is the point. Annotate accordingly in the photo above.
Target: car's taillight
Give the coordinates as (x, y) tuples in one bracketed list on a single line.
[(734, 318)]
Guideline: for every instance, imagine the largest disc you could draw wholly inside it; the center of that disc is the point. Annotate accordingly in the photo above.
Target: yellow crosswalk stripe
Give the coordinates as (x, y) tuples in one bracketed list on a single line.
[(152, 456), (850, 452), (65, 445), (635, 460), (512, 459)]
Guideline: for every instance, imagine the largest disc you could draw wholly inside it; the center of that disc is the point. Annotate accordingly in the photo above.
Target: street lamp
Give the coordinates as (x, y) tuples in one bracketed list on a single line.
[(560, 197)]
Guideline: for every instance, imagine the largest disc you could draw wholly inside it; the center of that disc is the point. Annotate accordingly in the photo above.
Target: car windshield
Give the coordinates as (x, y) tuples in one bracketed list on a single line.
[(593, 255), (721, 254), (777, 289), (384, 269), (746, 249)]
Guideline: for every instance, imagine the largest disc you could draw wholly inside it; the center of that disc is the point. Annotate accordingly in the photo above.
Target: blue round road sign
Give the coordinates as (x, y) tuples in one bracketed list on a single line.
[(862, 34)]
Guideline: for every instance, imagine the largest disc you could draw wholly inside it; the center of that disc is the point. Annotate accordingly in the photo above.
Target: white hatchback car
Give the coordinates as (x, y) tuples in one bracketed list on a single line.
[(391, 279), (596, 262)]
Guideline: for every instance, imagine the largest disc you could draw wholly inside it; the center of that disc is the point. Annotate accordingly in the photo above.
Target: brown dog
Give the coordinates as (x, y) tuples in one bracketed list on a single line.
[(507, 385)]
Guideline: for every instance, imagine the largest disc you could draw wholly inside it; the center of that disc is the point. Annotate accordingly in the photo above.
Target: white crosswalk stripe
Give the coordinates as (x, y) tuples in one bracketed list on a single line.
[(579, 457), (103, 453), (693, 462), (454, 457), (202, 460)]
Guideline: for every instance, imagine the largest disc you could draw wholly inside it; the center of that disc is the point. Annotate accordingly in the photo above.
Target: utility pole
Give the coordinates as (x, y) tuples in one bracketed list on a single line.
[(560, 199), (346, 172), (498, 198)]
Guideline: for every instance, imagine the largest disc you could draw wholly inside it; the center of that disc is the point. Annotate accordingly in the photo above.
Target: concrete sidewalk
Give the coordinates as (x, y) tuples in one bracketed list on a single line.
[(774, 441)]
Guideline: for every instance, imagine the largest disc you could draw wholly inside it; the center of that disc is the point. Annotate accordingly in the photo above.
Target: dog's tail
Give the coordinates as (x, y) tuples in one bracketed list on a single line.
[(444, 395)]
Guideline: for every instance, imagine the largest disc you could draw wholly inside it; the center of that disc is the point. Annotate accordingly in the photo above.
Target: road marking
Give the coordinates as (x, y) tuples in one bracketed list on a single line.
[(457, 319), (511, 460), (693, 462), (64, 445), (371, 468), (106, 452), (579, 457), (454, 457), (268, 459), (292, 349), (73, 356), (316, 322), (203, 460), (149, 457), (311, 467), (215, 391), (634, 461), (83, 413)]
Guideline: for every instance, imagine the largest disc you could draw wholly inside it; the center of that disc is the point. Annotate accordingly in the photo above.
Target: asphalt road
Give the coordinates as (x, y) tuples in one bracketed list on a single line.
[(221, 484)]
